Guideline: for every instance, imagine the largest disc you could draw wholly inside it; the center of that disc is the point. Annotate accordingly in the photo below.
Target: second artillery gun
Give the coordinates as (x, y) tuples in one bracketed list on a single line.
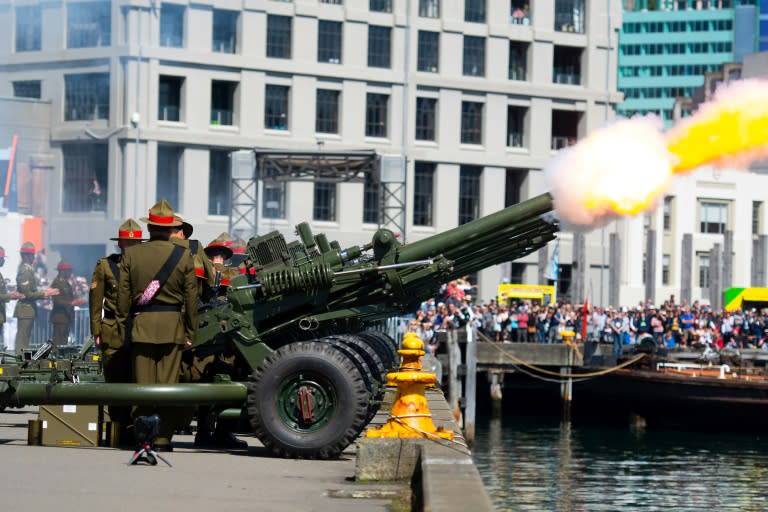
[(293, 345)]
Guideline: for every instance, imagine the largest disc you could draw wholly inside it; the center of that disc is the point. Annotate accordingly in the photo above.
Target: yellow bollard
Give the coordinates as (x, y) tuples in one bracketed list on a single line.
[(410, 416)]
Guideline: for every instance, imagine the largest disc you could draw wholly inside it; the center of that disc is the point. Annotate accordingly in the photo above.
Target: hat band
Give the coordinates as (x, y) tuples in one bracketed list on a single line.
[(161, 219), (128, 234)]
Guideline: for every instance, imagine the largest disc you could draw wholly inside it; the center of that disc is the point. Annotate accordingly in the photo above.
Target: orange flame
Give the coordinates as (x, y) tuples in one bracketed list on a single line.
[(624, 168)]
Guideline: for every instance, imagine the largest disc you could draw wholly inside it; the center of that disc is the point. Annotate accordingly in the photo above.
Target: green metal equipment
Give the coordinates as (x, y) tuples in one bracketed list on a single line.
[(294, 343)]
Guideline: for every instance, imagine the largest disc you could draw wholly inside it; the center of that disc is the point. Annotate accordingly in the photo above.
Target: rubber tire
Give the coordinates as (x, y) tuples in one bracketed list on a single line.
[(366, 361), (384, 346), (348, 418)]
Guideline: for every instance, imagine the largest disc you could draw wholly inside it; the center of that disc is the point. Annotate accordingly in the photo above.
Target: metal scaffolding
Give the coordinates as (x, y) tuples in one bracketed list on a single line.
[(251, 168)]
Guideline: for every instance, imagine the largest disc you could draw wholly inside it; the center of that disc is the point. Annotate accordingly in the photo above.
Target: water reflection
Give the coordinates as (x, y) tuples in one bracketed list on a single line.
[(541, 464)]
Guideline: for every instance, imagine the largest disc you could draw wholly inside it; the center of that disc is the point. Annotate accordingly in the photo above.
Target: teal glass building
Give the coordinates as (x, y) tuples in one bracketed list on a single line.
[(666, 46)]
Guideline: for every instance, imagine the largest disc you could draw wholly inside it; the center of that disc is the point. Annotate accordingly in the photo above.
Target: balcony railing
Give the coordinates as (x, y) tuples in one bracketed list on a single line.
[(560, 142), (517, 72), (224, 45), (221, 117), (566, 78), (514, 139), (169, 113)]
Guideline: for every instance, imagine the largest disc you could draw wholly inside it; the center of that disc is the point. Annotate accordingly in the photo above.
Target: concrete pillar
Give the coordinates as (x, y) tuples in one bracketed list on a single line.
[(579, 268), (686, 268), (727, 260), (650, 266), (759, 250), (614, 269), (715, 277), (542, 264)]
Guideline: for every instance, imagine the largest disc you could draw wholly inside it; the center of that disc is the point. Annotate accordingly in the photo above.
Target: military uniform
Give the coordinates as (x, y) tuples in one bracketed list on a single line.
[(63, 312), (5, 297), (162, 315), (26, 308), (102, 305)]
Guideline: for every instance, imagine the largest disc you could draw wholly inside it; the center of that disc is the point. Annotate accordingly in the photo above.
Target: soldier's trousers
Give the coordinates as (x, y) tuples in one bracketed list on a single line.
[(23, 333), (157, 364), (60, 334)]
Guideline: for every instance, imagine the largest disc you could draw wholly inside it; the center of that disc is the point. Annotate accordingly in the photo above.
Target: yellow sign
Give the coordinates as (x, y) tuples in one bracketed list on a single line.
[(543, 293)]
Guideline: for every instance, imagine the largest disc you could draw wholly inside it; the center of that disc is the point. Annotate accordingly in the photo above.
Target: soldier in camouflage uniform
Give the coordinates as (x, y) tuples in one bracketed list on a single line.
[(162, 307), (26, 308), (5, 297), (63, 312), (102, 303)]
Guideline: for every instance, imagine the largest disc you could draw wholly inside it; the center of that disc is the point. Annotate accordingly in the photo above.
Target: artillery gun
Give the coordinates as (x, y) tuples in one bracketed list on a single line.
[(294, 343)]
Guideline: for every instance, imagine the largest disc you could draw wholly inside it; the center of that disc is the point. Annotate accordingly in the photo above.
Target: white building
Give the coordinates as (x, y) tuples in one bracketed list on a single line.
[(148, 97)]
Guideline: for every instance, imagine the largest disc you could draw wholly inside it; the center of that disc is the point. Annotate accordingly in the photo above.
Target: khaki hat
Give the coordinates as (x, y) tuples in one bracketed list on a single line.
[(225, 238), (238, 246), (27, 248), (129, 230), (161, 214), (186, 227), (218, 246)]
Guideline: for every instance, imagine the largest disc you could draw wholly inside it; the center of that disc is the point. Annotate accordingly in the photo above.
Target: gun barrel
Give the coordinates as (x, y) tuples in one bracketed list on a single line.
[(516, 223), (91, 393)]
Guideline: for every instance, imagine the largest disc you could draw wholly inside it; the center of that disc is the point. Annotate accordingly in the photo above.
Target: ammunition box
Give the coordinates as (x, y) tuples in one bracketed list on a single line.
[(70, 425)]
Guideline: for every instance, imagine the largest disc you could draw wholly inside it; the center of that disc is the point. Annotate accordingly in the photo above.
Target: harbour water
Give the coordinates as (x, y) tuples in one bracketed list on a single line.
[(544, 464)]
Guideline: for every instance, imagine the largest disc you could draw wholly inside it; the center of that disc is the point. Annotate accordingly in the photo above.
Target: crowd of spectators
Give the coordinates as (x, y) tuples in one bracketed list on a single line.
[(678, 326)]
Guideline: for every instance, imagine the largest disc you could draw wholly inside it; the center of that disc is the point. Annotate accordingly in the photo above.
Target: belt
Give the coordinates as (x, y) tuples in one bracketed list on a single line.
[(155, 308)]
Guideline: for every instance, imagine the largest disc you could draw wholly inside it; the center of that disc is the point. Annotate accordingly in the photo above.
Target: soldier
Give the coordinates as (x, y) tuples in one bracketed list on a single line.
[(5, 296), (26, 284), (63, 312), (203, 268), (158, 293), (102, 302)]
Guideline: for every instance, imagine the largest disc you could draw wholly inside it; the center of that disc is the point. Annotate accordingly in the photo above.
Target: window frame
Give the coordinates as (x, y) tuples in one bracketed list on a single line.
[(428, 51), (324, 192), (329, 123), (330, 43), (28, 26), (426, 119), (279, 36), (379, 46), (377, 115), (474, 56), (277, 104), (95, 89), (424, 193), (472, 118)]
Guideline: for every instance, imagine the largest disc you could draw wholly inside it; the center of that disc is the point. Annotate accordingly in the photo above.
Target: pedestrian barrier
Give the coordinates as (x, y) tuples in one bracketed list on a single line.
[(43, 329)]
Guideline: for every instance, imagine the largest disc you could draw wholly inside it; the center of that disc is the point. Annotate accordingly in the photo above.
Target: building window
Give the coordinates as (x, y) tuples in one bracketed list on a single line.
[(474, 56), (429, 8), (569, 16), (85, 183), (469, 193), (86, 97), (169, 98), (665, 265), (567, 65), (371, 201), (324, 206), (474, 11), (279, 36), (29, 28), (172, 25), (327, 118), (89, 24), (703, 270), (329, 41), (757, 213), (515, 126), (27, 89), (518, 60), (426, 117), (668, 213), (219, 183), (471, 122), (225, 31), (714, 217), (376, 113), (423, 193), (223, 102), (273, 200), (333, 2), (380, 5), (276, 107), (429, 52), (168, 162), (379, 46)]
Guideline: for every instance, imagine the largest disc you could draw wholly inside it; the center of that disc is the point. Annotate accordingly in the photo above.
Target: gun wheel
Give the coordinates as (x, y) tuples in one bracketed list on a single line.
[(307, 400)]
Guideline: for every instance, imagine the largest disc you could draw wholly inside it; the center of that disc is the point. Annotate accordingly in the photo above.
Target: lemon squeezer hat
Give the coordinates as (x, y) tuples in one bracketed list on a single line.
[(27, 248), (218, 245), (162, 215), (63, 265), (129, 230)]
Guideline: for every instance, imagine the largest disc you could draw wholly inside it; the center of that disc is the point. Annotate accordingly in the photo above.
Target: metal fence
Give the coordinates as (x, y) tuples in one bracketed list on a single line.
[(43, 329)]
